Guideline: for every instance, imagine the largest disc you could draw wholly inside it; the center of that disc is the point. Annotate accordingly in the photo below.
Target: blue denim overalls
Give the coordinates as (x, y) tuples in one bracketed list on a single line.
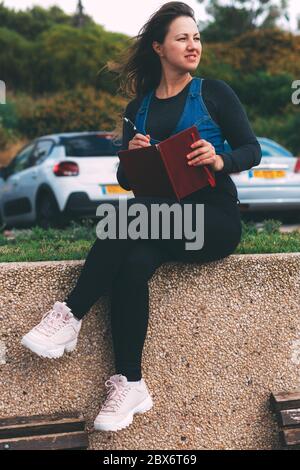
[(194, 113)]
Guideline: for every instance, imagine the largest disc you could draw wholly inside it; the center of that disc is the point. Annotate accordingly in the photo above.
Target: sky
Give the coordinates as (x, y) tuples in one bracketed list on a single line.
[(126, 16)]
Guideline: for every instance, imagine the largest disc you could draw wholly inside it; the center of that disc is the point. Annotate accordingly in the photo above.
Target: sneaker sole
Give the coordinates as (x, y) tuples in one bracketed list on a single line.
[(48, 353), (146, 405)]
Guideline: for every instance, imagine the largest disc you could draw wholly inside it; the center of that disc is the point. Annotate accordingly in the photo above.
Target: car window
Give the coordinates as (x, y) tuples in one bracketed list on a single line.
[(273, 149), (42, 150), (20, 162), (268, 149), (95, 145)]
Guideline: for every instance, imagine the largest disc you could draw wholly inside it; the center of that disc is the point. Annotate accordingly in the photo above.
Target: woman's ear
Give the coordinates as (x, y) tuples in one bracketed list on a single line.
[(157, 48)]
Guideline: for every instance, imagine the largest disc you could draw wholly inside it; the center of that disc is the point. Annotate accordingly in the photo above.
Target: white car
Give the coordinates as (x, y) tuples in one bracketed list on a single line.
[(274, 184), (60, 176)]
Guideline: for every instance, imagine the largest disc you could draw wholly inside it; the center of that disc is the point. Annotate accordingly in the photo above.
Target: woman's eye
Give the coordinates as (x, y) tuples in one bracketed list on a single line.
[(198, 39)]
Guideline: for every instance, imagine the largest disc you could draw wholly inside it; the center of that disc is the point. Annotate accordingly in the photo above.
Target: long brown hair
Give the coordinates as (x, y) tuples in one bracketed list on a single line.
[(139, 67)]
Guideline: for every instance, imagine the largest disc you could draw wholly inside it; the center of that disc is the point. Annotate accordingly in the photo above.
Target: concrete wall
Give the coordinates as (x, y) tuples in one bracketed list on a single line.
[(221, 337)]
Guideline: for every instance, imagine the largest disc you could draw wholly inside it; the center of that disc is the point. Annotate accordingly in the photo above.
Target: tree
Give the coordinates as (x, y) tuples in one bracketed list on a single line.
[(239, 16), (79, 17), (15, 56), (31, 22)]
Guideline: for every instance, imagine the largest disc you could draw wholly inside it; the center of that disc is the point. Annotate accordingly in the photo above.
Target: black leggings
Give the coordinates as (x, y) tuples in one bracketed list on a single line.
[(122, 268)]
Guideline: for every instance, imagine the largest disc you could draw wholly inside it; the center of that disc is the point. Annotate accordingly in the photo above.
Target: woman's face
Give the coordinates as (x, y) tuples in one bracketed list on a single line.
[(181, 48)]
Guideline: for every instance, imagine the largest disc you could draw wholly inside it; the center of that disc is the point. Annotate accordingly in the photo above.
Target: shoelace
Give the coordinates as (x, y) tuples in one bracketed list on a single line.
[(116, 393), (52, 321)]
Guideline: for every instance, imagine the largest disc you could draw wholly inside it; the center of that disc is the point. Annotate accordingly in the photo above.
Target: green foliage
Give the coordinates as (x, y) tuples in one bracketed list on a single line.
[(15, 57), (5, 137), (271, 226), (34, 21), (284, 128), (75, 231), (59, 57), (77, 62), (271, 50), (212, 67), (85, 51), (8, 116), (236, 17), (229, 22), (267, 238), (270, 243), (266, 94), (81, 109)]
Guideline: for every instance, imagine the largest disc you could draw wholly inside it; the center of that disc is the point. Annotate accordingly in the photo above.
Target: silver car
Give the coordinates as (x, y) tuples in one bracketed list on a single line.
[(274, 184)]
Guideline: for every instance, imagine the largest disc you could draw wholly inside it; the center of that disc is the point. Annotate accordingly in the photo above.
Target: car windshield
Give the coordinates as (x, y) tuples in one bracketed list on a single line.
[(95, 145), (272, 149), (268, 149)]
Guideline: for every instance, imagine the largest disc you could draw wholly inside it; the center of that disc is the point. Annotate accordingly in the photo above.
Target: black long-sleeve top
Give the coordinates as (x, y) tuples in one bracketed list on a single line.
[(224, 108)]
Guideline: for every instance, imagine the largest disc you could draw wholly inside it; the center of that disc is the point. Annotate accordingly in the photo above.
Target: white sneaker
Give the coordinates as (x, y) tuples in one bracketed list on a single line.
[(123, 401), (56, 333)]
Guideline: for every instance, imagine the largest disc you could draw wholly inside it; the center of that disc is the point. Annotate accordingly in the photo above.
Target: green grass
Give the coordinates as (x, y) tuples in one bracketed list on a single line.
[(74, 242), (267, 239), (38, 244)]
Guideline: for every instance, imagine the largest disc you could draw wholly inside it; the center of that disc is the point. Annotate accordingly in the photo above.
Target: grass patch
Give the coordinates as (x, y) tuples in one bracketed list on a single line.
[(74, 242), (267, 239), (38, 244)]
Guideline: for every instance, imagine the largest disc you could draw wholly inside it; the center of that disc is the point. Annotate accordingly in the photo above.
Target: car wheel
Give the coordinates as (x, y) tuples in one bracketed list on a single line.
[(48, 213)]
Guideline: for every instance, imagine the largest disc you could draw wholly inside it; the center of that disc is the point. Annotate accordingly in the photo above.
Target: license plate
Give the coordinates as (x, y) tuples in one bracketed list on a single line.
[(269, 173), (115, 189)]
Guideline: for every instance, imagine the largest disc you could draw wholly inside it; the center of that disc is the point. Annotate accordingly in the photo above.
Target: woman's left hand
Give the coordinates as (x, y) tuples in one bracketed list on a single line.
[(203, 153)]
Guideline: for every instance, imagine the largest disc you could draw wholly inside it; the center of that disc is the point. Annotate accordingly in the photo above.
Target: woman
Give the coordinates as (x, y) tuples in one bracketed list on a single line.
[(167, 100)]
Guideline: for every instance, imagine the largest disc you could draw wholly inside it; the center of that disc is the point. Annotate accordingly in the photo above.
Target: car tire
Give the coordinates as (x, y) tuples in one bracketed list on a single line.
[(48, 213)]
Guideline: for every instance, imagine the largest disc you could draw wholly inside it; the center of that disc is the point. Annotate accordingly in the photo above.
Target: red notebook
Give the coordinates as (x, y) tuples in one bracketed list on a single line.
[(161, 170)]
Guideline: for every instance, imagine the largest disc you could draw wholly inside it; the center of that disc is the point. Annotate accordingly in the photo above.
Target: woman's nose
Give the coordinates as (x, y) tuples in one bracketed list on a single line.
[(192, 46)]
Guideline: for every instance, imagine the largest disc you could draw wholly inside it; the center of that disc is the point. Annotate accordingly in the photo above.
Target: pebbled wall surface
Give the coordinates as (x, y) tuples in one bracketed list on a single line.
[(222, 336)]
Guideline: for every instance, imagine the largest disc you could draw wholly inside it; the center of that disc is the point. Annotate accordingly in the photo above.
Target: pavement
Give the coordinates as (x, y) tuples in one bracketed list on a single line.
[(288, 228), (285, 228)]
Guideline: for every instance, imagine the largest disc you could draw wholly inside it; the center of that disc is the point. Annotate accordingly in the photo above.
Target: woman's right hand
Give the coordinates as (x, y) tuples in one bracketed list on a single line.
[(139, 141)]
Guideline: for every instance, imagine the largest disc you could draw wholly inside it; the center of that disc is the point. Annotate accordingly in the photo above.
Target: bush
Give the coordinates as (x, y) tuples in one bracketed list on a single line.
[(7, 136), (8, 115), (264, 93), (265, 50), (4, 138), (282, 128), (15, 58), (82, 109)]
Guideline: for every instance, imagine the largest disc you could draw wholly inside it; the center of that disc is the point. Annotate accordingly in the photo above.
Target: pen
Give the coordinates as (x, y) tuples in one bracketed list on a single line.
[(130, 122)]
